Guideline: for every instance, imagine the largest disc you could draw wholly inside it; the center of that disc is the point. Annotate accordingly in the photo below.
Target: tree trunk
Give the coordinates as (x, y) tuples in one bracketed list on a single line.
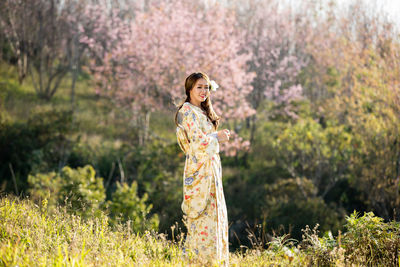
[(74, 66), (147, 126)]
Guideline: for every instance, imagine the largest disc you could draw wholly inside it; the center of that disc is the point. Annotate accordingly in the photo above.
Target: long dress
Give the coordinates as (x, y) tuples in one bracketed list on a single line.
[(203, 204)]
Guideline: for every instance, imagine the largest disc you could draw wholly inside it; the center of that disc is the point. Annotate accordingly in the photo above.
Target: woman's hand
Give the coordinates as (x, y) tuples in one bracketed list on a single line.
[(223, 135)]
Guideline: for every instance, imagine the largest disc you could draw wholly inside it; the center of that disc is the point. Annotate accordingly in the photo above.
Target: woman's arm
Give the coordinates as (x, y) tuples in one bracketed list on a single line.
[(199, 141)]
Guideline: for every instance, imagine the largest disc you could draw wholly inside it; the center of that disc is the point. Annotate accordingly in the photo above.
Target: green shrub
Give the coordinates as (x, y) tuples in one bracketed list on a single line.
[(84, 195), (321, 251), (371, 241), (34, 146), (127, 206), (45, 186), (368, 241), (77, 187), (291, 203), (82, 189), (159, 168)]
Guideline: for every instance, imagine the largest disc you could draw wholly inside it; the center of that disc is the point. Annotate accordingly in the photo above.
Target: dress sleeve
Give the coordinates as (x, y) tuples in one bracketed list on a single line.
[(199, 140)]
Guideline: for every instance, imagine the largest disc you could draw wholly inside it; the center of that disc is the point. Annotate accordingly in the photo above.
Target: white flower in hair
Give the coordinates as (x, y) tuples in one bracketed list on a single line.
[(214, 85)]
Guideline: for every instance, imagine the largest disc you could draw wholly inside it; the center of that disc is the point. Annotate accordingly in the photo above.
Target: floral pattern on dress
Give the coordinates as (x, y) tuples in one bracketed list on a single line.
[(203, 202)]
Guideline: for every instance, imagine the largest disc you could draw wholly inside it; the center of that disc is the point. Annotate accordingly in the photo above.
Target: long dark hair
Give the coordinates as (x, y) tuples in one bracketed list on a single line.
[(205, 105)]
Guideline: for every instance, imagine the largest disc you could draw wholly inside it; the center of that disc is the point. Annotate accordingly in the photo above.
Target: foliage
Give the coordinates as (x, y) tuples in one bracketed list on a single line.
[(368, 241), (365, 106), (126, 203), (79, 188), (82, 189), (36, 145), (319, 152), (371, 241), (323, 251), (291, 203), (83, 193), (159, 174)]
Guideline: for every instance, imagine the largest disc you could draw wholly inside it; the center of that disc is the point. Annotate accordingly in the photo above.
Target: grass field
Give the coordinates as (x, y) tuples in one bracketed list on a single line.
[(29, 236)]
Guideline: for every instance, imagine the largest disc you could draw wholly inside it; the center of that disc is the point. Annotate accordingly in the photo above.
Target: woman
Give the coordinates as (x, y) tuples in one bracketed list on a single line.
[(203, 205)]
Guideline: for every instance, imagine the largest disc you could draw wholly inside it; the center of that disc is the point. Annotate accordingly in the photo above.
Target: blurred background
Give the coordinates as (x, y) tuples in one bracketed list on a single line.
[(309, 89)]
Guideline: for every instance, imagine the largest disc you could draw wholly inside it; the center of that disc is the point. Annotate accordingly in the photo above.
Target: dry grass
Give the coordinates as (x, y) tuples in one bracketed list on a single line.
[(30, 236)]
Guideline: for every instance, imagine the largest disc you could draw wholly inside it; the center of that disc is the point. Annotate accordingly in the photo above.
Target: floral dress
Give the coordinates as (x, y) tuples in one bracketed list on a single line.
[(203, 204)]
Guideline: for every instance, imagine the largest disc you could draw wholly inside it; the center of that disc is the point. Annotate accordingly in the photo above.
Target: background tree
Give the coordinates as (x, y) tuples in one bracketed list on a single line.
[(276, 46), (166, 44)]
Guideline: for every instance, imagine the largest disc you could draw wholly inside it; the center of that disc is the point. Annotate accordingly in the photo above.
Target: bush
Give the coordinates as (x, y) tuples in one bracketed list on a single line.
[(35, 146), (291, 203), (159, 168), (371, 241), (127, 206), (84, 195), (321, 251), (78, 187)]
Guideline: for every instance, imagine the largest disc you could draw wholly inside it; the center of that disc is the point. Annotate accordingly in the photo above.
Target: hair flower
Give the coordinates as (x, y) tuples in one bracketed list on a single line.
[(213, 85)]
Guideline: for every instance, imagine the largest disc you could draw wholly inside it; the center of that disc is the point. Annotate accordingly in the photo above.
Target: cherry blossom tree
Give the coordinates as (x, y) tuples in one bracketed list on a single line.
[(146, 69), (276, 41)]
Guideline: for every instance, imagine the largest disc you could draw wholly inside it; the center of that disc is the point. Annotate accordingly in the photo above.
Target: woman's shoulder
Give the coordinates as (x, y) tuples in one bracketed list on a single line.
[(190, 107), (184, 112), (195, 111), (186, 108), (187, 105)]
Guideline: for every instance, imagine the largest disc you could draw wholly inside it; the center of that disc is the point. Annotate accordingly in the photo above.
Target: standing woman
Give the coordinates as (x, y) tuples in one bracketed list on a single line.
[(203, 205)]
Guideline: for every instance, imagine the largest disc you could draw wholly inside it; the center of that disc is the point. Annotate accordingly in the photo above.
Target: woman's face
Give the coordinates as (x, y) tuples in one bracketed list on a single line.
[(200, 91)]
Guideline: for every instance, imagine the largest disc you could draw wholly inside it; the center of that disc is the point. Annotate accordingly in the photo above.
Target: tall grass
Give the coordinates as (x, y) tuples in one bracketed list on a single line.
[(31, 236)]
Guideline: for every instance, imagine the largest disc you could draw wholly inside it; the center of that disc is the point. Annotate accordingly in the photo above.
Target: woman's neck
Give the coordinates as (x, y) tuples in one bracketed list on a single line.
[(195, 104)]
